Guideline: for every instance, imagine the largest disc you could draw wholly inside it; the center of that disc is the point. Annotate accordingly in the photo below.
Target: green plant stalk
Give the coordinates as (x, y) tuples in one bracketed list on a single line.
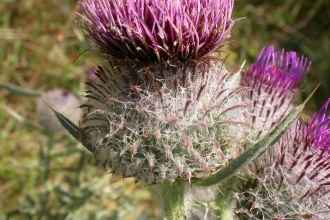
[(175, 199)]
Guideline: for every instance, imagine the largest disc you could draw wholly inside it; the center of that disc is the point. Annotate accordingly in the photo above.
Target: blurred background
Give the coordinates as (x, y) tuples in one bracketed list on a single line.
[(47, 175)]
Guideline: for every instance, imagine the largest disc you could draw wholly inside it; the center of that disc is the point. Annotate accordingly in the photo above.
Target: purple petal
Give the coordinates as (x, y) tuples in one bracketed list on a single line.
[(152, 30), (278, 69), (319, 128)]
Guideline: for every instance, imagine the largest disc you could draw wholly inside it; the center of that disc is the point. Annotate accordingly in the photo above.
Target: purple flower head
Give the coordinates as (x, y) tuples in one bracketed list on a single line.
[(319, 129), (273, 82), (278, 69), (155, 31)]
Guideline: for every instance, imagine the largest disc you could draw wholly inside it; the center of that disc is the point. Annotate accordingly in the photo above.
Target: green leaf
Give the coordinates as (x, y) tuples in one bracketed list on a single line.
[(19, 90), (258, 149)]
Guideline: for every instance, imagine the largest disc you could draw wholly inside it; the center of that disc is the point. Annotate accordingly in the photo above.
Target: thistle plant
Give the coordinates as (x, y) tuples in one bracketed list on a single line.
[(165, 111)]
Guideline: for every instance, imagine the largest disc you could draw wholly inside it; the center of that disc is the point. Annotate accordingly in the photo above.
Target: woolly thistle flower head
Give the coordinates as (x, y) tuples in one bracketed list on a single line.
[(292, 179), (179, 116), (174, 132), (273, 80), (153, 31)]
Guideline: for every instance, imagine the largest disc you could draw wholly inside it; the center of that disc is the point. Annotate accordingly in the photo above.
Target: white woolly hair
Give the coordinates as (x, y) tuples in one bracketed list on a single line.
[(187, 123)]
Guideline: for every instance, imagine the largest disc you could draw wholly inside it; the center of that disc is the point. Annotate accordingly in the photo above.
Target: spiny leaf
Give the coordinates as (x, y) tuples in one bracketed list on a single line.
[(70, 127)]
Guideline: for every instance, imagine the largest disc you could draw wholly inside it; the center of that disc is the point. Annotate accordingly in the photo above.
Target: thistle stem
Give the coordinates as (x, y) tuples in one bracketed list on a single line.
[(174, 200)]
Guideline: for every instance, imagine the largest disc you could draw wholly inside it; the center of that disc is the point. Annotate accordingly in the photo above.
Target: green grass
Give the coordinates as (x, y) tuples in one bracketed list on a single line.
[(53, 177)]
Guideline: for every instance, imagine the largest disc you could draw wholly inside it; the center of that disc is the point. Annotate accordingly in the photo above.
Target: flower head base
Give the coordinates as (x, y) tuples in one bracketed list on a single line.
[(273, 81), (155, 31), (173, 132)]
